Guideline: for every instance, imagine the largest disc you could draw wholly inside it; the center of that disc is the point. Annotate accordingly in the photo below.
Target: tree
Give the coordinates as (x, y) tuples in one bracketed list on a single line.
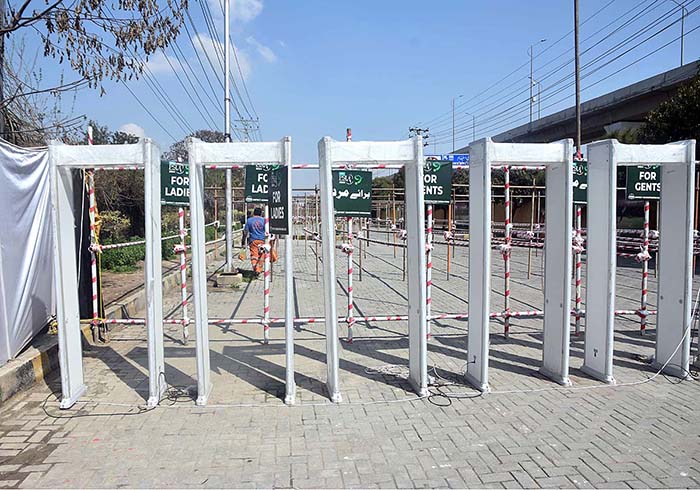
[(120, 192), (676, 119), (178, 150), (99, 40)]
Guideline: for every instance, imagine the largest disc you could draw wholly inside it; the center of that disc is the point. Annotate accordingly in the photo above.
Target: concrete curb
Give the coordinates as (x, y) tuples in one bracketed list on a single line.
[(41, 358), (30, 367)]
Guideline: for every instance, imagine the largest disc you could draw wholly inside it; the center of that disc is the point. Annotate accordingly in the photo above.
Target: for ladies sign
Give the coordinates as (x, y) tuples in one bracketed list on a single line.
[(174, 184)]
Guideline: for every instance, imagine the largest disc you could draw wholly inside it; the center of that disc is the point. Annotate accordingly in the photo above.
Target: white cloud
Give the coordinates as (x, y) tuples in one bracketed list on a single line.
[(245, 10), (158, 63), (134, 129), (242, 11), (264, 51), (208, 47)]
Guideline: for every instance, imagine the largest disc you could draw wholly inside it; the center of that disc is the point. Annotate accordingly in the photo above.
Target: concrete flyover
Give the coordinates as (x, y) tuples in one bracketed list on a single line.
[(624, 108)]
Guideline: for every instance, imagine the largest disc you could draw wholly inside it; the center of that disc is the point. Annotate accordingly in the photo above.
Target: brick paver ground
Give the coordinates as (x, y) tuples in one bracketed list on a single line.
[(528, 433)]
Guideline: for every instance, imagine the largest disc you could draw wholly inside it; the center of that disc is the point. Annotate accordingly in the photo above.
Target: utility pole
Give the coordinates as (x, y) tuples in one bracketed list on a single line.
[(453, 121), (578, 80), (425, 132), (473, 125), (227, 133)]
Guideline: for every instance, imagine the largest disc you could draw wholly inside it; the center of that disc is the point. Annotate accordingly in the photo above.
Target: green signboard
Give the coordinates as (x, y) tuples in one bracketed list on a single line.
[(437, 181), (352, 193), (174, 184), (278, 201), (643, 182), (256, 179), (580, 181)]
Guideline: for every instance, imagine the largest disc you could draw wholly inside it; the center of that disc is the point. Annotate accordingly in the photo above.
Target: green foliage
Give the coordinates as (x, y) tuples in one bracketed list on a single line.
[(114, 226), (126, 259), (627, 136), (123, 259), (676, 119), (210, 232)]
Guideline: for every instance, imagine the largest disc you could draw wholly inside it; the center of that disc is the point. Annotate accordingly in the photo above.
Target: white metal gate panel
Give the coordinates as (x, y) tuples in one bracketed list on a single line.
[(143, 155), (332, 154), (558, 161), (675, 253), (230, 155)]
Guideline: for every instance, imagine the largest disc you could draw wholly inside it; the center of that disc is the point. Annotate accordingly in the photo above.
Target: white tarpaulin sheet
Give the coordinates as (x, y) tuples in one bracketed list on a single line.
[(26, 251)]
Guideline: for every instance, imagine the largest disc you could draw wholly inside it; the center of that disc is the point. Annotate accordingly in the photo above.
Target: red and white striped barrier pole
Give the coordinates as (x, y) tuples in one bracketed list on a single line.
[(93, 241), (506, 252), (183, 274), (429, 269), (577, 274), (645, 271), (390, 318), (93, 255), (266, 279), (350, 318)]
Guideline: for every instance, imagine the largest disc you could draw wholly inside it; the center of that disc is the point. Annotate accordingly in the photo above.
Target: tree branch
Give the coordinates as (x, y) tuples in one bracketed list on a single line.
[(59, 88), (19, 22)]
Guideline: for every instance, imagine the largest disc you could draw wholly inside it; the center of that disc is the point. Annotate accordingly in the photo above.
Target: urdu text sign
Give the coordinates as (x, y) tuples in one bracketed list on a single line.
[(352, 193)]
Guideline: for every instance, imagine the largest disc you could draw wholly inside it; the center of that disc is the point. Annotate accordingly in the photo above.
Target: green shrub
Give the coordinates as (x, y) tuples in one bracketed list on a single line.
[(114, 226), (123, 259)]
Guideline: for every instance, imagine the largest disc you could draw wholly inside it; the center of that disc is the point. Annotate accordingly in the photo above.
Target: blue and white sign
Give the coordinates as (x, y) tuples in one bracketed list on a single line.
[(453, 157)]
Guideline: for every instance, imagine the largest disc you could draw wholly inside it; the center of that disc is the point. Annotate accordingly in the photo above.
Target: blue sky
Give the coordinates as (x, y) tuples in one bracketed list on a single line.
[(314, 68)]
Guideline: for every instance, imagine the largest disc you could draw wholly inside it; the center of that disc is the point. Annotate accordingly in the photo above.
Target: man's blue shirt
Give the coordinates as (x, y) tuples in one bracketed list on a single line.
[(255, 228)]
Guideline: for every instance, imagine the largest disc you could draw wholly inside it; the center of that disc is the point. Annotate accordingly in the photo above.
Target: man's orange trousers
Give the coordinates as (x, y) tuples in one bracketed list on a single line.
[(257, 257)]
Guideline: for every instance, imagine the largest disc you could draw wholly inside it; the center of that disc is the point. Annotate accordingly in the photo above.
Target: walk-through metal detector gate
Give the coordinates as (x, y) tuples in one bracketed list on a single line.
[(225, 156), (557, 159), (143, 155), (677, 167), (353, 154)]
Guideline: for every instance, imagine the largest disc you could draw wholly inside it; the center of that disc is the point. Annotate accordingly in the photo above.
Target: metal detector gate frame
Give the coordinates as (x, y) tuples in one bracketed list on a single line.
[(557, 159), (225, 156), (353, 154), (677, 161), (143, 155)]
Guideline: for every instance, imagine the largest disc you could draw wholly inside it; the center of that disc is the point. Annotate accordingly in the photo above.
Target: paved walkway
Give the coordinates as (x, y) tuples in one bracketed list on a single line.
[(528, 433)]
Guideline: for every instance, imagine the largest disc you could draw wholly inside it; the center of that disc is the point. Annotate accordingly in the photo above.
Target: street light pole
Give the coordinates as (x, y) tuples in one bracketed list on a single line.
[(473, 126), (453, 121), (530, 51), (683, 13)]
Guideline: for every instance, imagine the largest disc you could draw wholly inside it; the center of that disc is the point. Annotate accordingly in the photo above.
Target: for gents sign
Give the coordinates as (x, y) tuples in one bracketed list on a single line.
[(278, 201), (174, 184), (643, 182), (352, 193), (256, 179), (437, 181)]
